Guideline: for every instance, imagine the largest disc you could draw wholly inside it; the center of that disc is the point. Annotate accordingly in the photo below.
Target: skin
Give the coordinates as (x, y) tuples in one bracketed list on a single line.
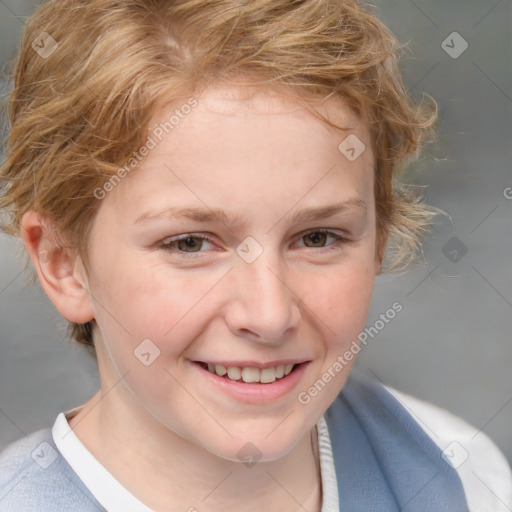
[(262, 159)]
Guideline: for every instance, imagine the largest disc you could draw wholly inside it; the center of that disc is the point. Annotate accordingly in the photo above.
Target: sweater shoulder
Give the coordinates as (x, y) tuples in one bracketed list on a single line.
[(34, 476)]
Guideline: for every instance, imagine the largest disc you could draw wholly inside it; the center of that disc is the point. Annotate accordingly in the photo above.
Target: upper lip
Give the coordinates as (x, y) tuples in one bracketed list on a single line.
[(255, 364)]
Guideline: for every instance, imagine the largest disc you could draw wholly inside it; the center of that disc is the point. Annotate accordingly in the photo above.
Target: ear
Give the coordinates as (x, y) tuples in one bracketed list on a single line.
[(60, 272)]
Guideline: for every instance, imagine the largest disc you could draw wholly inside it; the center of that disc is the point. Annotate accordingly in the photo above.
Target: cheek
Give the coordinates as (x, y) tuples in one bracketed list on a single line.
[(154, 302), (340, 300), (339, 311)]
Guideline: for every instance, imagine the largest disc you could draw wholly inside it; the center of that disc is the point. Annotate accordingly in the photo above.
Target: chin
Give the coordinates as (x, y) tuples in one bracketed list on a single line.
[(255, 446)]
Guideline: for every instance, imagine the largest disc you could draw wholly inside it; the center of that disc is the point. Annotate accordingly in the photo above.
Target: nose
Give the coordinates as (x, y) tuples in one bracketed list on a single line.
[(263, 306)]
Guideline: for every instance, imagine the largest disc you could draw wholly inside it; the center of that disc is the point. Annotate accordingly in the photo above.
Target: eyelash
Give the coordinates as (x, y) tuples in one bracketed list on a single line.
[(168, 244)]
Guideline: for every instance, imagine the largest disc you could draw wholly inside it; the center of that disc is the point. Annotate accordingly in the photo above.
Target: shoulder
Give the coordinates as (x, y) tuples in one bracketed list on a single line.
[(19, 459), (482, 468), (35, 477), (403, 443)]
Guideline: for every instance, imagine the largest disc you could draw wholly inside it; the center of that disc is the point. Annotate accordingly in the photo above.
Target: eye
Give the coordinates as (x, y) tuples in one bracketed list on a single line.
[(191, 243), (319, 237), (188, 243)]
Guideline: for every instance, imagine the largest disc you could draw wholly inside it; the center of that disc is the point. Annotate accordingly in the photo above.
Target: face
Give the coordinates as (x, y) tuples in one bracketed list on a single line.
[(244, 241)]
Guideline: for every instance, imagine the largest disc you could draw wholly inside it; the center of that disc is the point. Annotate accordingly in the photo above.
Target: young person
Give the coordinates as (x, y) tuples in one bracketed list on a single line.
[(207, 191)]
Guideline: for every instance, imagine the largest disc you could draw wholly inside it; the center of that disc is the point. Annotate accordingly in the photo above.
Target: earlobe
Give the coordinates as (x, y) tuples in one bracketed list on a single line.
[(60, 272)]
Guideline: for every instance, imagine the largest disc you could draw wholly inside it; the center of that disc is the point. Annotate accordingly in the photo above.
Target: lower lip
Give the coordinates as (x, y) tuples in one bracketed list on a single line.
[(255, 392)]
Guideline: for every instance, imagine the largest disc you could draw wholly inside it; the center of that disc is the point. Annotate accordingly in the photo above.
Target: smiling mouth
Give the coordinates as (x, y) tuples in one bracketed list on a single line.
[(250, 374)]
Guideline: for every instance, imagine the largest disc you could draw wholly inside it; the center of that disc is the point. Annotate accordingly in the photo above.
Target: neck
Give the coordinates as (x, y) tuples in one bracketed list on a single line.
[(170, 469)]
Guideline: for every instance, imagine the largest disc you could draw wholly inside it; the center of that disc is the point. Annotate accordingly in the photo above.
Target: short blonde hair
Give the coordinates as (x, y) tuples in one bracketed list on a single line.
[(80, 108)]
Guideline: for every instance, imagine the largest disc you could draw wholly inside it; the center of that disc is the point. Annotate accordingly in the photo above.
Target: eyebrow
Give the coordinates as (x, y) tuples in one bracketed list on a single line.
[(218, 214)]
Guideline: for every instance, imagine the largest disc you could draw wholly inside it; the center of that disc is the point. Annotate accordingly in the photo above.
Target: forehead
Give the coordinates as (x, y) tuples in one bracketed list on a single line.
[(249, 104), (257, 150)]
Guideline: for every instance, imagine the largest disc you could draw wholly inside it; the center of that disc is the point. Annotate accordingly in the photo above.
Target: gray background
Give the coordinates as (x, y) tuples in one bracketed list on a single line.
[(451, 343)]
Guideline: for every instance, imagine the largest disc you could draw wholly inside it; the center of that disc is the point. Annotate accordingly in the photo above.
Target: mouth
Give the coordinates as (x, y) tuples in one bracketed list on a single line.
[(251, 374)]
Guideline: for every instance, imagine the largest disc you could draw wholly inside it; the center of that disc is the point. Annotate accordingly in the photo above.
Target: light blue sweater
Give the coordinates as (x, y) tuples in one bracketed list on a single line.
[(384, 462)]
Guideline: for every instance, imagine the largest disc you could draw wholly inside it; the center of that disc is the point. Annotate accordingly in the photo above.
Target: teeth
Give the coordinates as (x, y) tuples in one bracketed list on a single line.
[(234, 373), (219, 370), (251, 374), (268, 375)]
